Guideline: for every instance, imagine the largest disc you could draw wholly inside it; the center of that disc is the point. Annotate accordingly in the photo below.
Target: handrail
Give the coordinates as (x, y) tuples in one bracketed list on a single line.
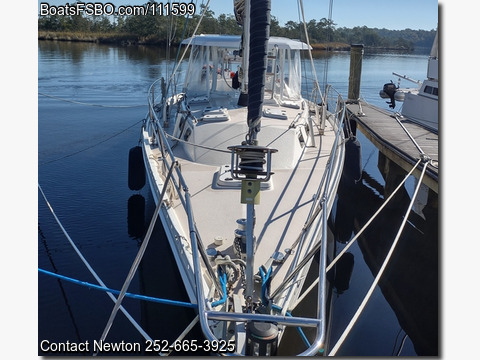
[(321, 302), (197, 249), (198, 275), (242, 317), (316, 206), (323, 198), (181, 184)]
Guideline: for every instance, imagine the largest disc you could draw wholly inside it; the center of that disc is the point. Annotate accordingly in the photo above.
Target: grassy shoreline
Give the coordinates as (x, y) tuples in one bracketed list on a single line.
[(131, 39), (106, 38)]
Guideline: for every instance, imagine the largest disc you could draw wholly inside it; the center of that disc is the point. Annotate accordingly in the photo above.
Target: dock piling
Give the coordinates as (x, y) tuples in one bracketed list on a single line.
[(356, 58)]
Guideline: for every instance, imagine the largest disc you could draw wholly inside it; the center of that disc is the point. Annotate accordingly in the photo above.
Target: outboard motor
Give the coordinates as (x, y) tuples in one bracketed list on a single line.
[(388, 92)]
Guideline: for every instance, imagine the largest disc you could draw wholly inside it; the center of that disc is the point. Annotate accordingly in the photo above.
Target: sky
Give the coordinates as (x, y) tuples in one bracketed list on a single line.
[(392, 15)]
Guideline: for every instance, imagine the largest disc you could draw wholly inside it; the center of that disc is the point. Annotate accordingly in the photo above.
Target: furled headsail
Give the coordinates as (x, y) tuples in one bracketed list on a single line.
[(257, 63)]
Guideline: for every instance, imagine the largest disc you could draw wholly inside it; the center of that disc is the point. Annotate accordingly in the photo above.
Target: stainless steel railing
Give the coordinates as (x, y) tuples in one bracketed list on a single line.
[(339, 116)]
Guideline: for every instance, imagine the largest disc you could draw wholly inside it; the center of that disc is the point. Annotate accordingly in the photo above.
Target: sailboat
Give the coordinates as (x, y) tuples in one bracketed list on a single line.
[(244, 171)]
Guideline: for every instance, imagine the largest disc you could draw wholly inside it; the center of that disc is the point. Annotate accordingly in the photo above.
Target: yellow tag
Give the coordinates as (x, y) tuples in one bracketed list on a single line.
[(250, 192)]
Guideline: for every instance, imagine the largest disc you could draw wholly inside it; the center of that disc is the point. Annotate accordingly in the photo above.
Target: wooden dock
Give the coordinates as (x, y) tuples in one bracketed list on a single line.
[(380, 127)]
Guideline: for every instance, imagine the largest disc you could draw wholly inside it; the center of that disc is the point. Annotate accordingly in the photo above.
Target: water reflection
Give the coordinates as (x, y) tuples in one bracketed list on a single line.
[(136, 217), (410, 281)]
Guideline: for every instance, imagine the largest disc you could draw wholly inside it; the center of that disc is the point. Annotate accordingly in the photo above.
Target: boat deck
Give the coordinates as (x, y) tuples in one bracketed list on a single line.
[(285, 205), (387, 134), (288, 202)]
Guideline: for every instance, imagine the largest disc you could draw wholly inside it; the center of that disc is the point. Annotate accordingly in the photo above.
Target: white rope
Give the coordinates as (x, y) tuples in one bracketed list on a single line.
[(89, 104), (133, 270), (184, 333), (196, 145), (380, 272), (352, 241), (99, 280), (138, 258), (420, 150)]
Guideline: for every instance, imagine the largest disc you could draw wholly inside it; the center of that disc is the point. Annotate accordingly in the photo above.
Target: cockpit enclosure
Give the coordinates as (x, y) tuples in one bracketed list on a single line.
[(213, 59), (288, 70), (215, 66)]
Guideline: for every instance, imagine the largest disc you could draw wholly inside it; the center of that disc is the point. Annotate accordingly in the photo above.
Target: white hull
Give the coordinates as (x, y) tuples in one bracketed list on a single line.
[(419, 105), (422, 109)]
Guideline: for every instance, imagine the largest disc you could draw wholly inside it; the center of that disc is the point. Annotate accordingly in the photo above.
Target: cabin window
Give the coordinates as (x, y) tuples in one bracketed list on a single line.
[(431, 90)]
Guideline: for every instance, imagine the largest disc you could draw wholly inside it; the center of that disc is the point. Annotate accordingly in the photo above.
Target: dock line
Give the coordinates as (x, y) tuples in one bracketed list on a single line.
[(423, 155), (116, 292), (380, 272), (95, 275), (138, 258), (89, 104), (354, 239)]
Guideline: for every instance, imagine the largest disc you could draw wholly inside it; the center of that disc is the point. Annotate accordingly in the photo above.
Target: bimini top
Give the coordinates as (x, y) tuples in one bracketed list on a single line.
[(233, 41)]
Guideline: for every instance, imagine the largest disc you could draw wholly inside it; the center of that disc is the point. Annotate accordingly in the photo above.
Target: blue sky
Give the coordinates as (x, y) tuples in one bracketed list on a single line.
[(413, 14), (394, 15)]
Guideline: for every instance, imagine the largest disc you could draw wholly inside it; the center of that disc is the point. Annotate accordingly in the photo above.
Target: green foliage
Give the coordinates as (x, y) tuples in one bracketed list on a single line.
[(157, 28)]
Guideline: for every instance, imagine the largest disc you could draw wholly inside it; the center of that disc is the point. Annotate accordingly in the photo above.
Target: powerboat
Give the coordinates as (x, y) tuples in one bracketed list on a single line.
[(420, 105)]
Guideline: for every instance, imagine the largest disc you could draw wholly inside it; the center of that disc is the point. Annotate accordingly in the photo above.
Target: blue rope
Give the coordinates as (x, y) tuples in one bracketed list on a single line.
[(134, 296), (299, 329), (223, 281), (265, 283), (265, 275)]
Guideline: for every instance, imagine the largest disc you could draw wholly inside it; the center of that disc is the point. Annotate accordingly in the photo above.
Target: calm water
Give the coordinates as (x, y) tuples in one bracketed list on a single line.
[(91, 100)]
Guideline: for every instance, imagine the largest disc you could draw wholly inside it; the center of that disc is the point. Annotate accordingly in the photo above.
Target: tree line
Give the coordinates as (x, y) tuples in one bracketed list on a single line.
[(155, 29)]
